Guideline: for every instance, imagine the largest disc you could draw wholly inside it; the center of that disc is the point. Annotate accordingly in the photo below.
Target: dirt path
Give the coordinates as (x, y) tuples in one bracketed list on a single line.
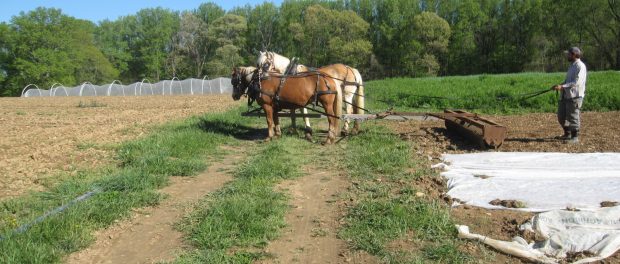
[(313, 221), (149, 236)]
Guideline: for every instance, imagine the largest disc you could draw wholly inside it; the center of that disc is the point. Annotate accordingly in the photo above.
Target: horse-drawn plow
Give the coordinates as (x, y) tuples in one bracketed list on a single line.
[(479, 130), (483, 131)]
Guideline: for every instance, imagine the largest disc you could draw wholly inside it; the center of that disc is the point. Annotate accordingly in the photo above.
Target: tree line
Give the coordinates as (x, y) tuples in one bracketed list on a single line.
[(382, 38)]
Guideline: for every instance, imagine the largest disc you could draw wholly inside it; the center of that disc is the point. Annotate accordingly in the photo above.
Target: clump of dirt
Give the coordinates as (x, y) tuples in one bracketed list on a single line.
[(431, 187), (508, 203), (498, 224), (609, 204), (572, 257)]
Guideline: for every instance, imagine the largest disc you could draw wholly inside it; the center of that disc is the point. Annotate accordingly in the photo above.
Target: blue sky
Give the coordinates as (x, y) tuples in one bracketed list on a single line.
[(109, 9)]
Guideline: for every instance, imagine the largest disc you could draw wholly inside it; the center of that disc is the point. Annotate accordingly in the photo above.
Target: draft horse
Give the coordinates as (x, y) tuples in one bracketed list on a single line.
[(274, 92), (347, 78)]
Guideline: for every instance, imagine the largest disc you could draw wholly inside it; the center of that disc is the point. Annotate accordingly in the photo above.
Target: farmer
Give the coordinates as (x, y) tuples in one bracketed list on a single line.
[(572, 91)]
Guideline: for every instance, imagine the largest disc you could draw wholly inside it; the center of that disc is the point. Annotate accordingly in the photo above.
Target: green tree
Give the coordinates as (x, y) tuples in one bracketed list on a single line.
[(463, 46), (93, 66), (331, 36), (189, 48), (431, 37), (112, 38), (209, 12), (4, 54), (262, 23), (392, 19), (227, 33), (46, 47), (154, 30), (593, 25)]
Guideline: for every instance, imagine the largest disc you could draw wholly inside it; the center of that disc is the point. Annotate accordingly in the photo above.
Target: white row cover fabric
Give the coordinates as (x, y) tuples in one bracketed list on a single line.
[(543, 181), (597, 233), (165, 87)]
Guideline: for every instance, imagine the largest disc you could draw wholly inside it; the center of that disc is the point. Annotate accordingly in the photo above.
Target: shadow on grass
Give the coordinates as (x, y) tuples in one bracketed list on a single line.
[(231, 128)]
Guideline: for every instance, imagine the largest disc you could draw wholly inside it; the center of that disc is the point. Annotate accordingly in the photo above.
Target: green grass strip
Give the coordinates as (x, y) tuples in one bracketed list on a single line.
[(480, 92), (234, 224), (387, 209), (145, 165)]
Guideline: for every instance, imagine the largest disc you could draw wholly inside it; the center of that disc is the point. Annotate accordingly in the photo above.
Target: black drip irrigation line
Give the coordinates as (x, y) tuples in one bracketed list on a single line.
[(23, 228)]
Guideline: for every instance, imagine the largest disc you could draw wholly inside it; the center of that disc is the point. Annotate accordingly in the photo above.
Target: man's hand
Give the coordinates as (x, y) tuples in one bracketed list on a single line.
[(557, 87)]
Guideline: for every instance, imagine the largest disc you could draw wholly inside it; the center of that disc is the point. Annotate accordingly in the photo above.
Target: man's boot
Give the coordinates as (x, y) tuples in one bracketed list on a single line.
[(574, 137), (567, 134)]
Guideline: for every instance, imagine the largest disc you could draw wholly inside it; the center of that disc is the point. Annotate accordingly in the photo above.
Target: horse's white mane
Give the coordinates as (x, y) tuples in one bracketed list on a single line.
[(246, 72)]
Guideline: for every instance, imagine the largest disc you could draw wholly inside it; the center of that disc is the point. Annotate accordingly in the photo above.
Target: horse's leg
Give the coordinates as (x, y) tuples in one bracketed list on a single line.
[(357, 110), (276, 121), (293, 129), (269, 115), (328, 106), (348, 98), (333, 122), (308, 128)]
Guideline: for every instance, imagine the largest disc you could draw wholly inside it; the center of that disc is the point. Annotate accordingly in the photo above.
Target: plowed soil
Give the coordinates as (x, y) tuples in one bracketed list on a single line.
[(531, 133), (42, 137)]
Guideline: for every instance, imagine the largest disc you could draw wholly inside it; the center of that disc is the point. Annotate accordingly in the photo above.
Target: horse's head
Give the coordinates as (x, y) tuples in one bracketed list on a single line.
[(244, 81), (269, 61), (239, 88), (264, 61)]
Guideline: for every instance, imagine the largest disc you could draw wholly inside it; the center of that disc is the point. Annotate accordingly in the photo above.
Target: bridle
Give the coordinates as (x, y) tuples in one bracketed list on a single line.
[(248, 89)]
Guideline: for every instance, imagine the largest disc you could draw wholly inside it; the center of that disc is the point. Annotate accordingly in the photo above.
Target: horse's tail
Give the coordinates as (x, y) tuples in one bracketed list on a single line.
[(338, 107), (359, 96)]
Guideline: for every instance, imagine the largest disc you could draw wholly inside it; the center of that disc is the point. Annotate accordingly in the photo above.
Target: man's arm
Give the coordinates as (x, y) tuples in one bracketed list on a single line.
[(575, 79), (569, 85)]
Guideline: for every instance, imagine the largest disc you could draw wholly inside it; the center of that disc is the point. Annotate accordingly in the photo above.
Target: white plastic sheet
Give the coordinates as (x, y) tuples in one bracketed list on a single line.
[(543, 181), (597, 233)]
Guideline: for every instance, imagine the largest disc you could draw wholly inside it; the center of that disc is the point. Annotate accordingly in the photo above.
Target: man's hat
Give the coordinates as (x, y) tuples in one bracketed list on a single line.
[(574, 50)]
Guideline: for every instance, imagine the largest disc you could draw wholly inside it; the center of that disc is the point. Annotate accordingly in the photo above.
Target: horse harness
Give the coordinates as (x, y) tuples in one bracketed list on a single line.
[(292, 73)]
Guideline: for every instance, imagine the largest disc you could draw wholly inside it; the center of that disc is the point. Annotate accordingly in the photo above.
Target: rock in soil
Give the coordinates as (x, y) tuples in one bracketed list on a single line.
[(508, 203), (609, 204)]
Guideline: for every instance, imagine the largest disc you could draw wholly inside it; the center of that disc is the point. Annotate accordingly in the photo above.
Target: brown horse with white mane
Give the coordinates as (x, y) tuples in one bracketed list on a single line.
[(274, 92), (347, 78)]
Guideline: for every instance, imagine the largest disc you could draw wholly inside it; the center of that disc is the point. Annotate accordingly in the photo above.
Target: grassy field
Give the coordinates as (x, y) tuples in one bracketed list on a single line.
[(489, 93), (391, 209)]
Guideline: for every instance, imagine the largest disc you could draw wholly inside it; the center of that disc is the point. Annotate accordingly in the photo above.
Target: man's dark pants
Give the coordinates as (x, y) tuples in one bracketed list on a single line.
[(568, 113)]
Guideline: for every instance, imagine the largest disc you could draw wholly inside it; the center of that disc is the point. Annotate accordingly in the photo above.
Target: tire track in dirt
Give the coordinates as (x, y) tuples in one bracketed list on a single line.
[(313, 221), (149, 235)]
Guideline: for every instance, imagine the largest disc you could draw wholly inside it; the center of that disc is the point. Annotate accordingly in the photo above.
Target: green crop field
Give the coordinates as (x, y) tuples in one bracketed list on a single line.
[(489, 93)]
